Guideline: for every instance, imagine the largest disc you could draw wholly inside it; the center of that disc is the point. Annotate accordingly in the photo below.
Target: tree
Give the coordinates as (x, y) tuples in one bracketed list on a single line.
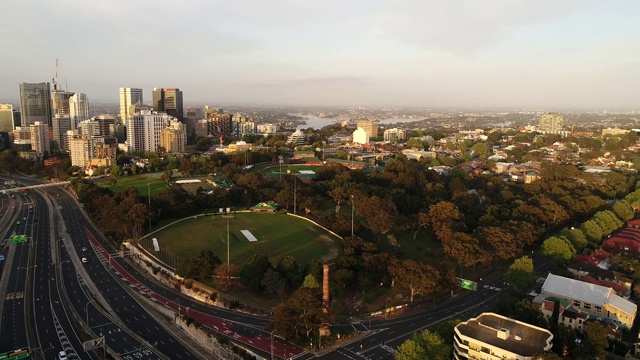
[(272, 282), (416, 277), (344, 277), (115, 171), (623, 211), (253, 272), (520, 273), (201, 265), (592, 231), (310, 282), (481, 149), (445, 218), (597, 337), (558, 248), (289, 269), (424, 346)]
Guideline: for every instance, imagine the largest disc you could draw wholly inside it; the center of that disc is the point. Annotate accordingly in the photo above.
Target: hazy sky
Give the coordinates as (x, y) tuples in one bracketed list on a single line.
[(549, 54)]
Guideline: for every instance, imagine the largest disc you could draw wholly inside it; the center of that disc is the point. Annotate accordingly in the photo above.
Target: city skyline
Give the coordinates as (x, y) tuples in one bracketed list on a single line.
[(489, 54)]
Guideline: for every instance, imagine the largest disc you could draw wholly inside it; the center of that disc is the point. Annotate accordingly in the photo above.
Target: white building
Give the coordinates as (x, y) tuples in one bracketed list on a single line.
[(360, 136), (493, 336), (143, 130), (390, 135), (595, 301), (267, 129), (297, 138), (80, 151), (78, 109), (40, 142)]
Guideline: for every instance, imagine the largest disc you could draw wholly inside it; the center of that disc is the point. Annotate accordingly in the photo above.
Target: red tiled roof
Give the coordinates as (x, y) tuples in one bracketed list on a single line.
[(591, 260)]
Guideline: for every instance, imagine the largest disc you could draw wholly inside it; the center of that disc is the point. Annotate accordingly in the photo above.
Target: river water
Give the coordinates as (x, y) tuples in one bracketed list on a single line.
[(317, 122)]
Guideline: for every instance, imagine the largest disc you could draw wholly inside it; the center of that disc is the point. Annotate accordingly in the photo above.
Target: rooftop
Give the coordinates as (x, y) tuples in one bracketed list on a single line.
[(576, 289), (523, 339)]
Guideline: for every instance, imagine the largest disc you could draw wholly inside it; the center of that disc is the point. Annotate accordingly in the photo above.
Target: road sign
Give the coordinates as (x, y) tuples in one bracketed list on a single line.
[(18, 239), (1, 258), (468, 284), (18, 354)]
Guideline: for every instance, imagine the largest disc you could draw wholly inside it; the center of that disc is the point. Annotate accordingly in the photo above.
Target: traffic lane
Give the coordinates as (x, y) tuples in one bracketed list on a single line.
[(130, 312), (13, 333), (117, 339), (47, 332)]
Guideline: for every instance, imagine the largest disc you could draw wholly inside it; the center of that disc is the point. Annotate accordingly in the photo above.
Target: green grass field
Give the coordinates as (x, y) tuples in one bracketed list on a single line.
[(278, 235), (137, 181)]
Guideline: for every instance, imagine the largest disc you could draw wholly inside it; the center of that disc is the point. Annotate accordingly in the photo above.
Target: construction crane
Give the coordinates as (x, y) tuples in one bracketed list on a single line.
[(54, 80), (574, 125)]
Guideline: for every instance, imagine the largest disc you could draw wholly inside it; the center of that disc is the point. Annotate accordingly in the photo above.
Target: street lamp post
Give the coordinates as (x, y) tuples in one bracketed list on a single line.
[(272, 358), (352, 212), (295, 177), (149, 197), (86, 311), (227, 216), (386, 306)]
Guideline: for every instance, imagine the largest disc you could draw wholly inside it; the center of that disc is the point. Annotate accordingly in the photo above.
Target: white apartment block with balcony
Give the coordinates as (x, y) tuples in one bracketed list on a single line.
[(396, 134), (495, 337), (40, 141), (360, 136), (143, 130)]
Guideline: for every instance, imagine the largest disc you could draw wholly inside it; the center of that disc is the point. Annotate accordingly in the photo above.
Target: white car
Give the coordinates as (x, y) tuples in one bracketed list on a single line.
[(84, 249), (62, 355), (24, 218), (84, 260)]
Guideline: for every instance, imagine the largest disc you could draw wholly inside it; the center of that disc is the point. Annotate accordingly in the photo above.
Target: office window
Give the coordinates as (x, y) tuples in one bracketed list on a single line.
[(586, 306), (598, 308), (576, 303)]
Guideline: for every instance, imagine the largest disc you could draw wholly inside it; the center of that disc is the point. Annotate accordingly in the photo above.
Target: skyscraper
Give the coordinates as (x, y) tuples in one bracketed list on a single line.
[(78, 109), (128, 97), (60, 126), (173, 138), (168, 101), (6, 117), (60, 103), (35, 103)]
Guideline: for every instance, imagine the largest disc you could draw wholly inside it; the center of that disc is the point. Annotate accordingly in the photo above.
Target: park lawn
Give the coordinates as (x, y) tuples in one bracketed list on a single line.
[(425, 247), (278, 235), (138, 181)]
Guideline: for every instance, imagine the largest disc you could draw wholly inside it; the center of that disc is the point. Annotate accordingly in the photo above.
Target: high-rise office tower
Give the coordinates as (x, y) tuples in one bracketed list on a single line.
[(60, 103), (128, 97), (168, 101), (35, 103), (105, 122), (78, 109), (6, 117), (89, 128), (551, 123), (143, 130), (39, 132), (60, 126)]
